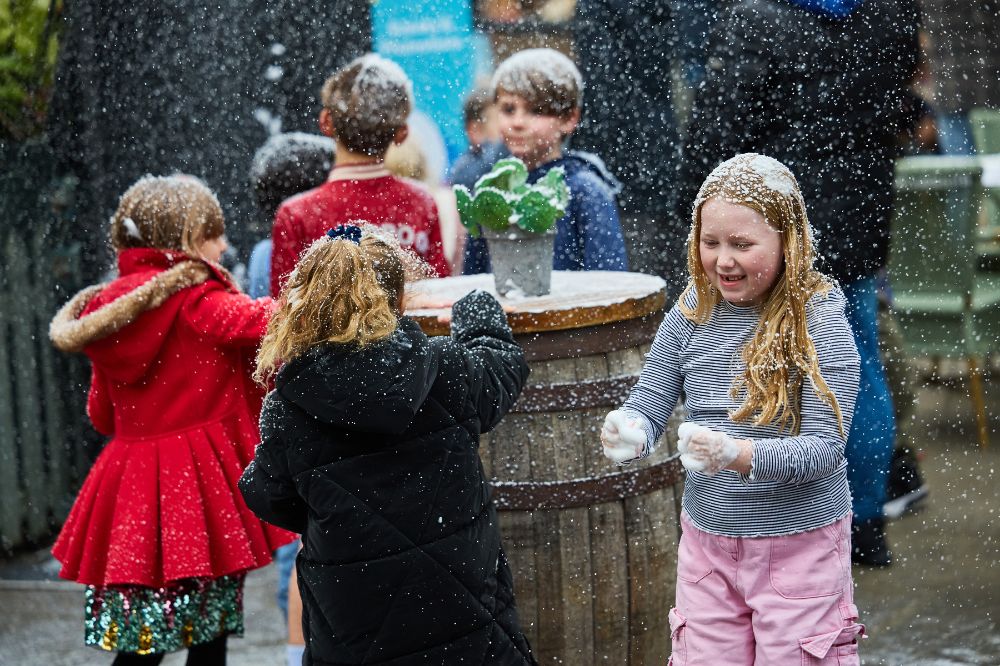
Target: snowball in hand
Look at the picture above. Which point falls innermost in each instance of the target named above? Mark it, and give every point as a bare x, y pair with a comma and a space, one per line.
705, 450
622, 436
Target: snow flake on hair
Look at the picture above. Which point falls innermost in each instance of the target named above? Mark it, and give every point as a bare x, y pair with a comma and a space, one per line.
555, 66
414, 267
752, 171
290, 148
379, 74
750, 178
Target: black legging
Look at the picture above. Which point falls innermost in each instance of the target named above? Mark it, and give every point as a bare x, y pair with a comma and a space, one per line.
212, 653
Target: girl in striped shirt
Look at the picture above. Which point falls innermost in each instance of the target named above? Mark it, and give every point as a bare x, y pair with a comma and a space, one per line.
760, 348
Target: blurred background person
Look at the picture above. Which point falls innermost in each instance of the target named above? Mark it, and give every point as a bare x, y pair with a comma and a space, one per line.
409, 160
625, 51
482, 130
284, 166
964, 58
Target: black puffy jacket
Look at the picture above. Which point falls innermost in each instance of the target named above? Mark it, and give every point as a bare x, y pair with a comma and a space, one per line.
373, 456
820, 94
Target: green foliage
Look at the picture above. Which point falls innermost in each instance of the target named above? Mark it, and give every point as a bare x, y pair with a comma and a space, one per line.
507, 174
502, 198
535, 212
28, 49
491, 208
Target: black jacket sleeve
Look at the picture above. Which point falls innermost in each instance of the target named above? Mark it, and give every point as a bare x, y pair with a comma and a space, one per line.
267, 484
495, 364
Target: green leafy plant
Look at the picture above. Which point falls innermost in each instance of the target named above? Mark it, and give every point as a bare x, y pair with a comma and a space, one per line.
503, 198
28, 46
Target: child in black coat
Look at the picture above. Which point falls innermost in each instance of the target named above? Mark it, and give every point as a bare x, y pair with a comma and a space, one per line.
370, 450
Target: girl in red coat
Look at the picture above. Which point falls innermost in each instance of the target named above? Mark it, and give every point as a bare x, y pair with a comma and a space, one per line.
159, 533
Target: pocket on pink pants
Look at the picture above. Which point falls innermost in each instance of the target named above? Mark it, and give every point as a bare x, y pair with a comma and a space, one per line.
838, 647
811, 564
678, 650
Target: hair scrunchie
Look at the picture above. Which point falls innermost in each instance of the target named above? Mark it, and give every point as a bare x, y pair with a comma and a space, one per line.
350, 232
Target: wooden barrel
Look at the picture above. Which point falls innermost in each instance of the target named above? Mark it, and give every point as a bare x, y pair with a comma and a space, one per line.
592, 546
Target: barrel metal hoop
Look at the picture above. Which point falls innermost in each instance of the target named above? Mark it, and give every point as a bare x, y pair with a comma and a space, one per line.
607, 392
575, 493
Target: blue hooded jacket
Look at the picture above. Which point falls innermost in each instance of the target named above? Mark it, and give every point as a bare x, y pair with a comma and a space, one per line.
589, 236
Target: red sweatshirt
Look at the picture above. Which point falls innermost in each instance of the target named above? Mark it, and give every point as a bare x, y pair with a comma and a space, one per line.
353, 193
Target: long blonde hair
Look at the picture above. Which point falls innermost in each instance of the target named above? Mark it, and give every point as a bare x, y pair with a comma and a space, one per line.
781, 352
340, 292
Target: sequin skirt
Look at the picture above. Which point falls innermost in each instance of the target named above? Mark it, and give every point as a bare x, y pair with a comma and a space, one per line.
146, 620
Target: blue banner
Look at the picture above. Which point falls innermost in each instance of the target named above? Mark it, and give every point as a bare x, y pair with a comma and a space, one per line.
432, 40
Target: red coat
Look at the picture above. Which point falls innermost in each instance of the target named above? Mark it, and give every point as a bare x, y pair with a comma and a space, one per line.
368, 193
171, 385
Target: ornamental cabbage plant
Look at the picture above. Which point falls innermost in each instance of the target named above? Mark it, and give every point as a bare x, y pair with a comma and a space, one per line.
502, 198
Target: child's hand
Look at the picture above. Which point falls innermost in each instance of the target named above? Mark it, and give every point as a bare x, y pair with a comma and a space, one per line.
705, 450
622, 436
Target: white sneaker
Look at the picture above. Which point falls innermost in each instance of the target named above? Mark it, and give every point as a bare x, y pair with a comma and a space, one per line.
897, 507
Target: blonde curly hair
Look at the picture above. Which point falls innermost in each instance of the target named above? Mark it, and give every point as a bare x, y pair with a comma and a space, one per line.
340, 292
781, 353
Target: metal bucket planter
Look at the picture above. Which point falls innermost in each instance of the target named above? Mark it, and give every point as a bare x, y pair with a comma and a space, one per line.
522, 260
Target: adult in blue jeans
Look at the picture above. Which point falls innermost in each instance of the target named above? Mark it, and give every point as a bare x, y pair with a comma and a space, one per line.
873, 430
828, 105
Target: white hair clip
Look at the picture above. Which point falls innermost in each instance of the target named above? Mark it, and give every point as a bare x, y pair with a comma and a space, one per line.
131, 229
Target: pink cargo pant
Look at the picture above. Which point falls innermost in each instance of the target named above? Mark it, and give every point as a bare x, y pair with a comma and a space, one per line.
769, 601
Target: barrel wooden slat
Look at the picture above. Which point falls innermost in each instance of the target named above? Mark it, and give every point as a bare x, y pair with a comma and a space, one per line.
518, 541
484, 455
621, 362
508, 459
611, 585
538, 432
606, 527
548, 637
574, 524
593, 576
652, 547
590, 417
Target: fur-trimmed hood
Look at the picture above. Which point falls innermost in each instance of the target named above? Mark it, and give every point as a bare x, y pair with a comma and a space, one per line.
122, 322
71, 332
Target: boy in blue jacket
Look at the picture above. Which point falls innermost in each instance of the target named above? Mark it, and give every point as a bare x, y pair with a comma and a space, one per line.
538, 94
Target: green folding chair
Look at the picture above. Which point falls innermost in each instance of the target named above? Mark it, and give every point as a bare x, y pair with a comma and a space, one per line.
945, 307
986, 137
985, 130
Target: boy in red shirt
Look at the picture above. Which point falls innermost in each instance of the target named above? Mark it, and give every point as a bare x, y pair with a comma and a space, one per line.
365, 106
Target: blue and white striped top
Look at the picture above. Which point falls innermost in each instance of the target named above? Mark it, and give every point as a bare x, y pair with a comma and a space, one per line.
796, 483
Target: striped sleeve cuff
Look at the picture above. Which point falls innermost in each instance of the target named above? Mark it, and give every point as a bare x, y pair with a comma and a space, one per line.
765, 462
647, 427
